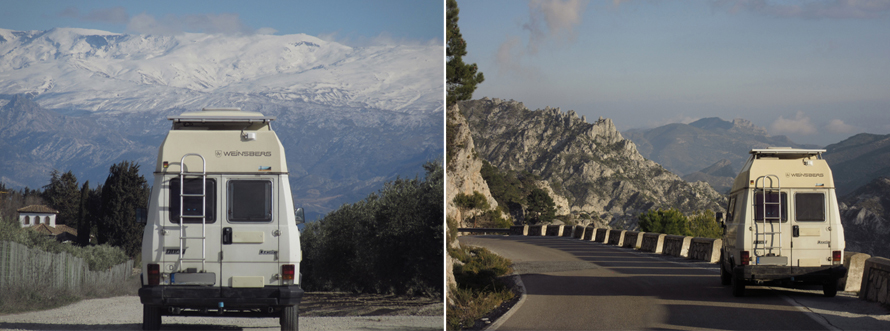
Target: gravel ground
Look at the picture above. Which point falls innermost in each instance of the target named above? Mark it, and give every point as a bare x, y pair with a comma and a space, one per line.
351, 313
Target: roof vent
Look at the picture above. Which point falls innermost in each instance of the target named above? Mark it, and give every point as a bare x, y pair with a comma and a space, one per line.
220, 109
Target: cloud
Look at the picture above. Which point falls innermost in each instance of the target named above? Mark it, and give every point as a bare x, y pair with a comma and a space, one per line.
834, 9
383, 39
552, 20
548, 22
800, 124
838, 126
114, 15
143, 23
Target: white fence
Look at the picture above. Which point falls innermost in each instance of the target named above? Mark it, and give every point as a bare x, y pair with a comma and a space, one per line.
23, 266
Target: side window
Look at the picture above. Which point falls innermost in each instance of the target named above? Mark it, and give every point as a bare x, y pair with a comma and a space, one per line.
809, 207
192, 204
45, 220
771, 207
249, 201
730, 210
27, 220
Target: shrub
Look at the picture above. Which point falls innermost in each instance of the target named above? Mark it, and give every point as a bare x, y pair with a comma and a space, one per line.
390, 242
479, 289
670, 221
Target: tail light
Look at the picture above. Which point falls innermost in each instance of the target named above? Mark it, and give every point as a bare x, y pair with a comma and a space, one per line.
154, 274
746, 258
836, 257
287, 272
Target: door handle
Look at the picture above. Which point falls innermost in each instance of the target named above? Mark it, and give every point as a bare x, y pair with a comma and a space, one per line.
227, 236
795, 231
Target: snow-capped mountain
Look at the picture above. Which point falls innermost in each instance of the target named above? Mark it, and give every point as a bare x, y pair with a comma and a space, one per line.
350, 118
101, 71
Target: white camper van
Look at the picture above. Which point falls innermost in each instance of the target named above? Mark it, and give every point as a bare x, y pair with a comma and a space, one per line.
782, 222
221, 233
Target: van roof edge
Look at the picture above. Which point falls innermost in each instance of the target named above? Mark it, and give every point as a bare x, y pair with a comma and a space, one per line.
787, 151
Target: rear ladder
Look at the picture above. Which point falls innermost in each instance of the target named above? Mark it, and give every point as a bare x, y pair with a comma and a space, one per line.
769, 225
183, 174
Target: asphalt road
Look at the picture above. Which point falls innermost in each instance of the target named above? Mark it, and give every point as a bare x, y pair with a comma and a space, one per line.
581, 285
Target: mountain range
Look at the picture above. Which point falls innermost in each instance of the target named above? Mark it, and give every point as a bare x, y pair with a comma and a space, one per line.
350, 118
590, 167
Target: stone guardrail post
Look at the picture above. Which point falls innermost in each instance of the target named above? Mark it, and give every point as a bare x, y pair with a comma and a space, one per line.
555, 230
519, 230
616, 237
633, 239
855, 263
568, 231
579, 232
536, 230
589, 233
705, 249
653, 242
875, 280
676, 245
602, 236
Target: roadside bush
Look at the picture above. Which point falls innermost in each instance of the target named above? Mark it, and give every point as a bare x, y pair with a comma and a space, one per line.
479, 289
670, 221
390, 242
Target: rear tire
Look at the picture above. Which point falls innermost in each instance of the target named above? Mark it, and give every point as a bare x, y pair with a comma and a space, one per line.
151, 317
290, 318
829, 289
738, 286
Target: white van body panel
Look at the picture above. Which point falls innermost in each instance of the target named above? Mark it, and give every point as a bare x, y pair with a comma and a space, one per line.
247, 231
783, 216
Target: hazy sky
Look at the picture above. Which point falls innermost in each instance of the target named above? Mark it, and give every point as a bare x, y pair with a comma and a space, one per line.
816, 71
355, 23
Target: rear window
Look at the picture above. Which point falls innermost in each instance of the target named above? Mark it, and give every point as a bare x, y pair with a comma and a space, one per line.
250, 201
770, 206
809, 207
191, 205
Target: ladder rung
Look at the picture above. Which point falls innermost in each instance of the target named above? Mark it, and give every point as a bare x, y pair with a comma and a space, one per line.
193, 195
192, 237
191, 216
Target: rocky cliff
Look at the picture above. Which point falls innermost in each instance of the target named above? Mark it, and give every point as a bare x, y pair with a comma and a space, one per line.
864, 214
600, 173
462, 176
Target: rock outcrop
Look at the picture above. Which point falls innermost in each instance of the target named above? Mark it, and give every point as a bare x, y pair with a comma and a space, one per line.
864, 214
591, 165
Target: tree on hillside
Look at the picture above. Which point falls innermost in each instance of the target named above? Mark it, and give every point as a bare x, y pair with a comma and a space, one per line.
124, 190
670, 221
63, 194
467, 202
541, 208
461, 78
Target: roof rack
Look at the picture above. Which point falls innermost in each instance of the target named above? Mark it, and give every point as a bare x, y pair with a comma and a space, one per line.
787, 150
221, 115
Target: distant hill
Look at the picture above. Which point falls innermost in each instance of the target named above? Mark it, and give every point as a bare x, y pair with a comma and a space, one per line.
719, 175
858, 160
688, 149
865, 214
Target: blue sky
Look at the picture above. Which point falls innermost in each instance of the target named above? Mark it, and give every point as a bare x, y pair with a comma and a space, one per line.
355, 23
816, 71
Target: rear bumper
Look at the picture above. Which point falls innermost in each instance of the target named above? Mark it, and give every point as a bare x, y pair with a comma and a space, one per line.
213, 297
803, 274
